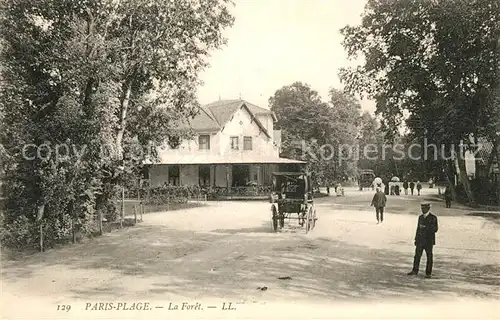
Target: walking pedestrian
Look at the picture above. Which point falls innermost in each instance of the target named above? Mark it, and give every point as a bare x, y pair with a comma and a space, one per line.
412, 187
447, 196
379, 201
405, 186
339, 190
419, 187
425, 239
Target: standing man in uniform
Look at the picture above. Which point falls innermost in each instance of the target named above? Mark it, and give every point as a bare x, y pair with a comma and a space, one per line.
412, 187
379, 200
425, 239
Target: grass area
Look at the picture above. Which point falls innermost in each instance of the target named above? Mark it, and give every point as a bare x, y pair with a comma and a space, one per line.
131, 207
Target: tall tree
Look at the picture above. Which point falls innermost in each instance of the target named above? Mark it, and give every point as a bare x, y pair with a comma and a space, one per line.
314, 130
344, 121
436, 60
99, 75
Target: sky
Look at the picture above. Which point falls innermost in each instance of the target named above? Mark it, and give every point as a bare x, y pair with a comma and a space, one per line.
274, 43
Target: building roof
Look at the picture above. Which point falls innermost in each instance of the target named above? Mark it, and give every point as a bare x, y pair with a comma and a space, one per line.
241, 158
215, 115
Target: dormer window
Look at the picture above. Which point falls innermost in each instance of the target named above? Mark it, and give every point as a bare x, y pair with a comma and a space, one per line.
204, 142
234, 143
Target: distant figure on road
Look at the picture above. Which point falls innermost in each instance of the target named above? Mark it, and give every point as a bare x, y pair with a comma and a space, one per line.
339, 190
425, 239
405, 186
379, 201
328, 189
447, 196
419, 187
377, 182
412, 187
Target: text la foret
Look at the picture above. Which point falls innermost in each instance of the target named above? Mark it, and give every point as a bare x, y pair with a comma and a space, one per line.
185, 306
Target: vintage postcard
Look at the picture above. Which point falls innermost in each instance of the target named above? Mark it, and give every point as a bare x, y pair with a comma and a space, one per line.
250, 159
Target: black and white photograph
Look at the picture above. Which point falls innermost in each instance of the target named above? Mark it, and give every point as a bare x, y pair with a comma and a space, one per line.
249, 159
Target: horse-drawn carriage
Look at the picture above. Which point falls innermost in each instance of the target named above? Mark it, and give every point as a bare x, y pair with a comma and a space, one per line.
292, 198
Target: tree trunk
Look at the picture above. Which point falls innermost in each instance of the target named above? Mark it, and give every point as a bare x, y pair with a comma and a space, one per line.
492, 157
465, 180
100, 222
127, 89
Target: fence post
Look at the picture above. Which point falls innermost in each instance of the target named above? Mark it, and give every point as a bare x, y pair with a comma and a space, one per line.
41, 237
142, 210
135, 213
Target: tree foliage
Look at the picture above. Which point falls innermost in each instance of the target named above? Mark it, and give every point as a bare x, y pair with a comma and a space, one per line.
112, 79
314, 130
436, 61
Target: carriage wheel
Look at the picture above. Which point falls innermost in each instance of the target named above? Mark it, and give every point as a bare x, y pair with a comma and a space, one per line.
313, 219
274, 218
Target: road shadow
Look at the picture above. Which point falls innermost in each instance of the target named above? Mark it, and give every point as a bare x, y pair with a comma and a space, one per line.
198, 264
488, 215
264, 228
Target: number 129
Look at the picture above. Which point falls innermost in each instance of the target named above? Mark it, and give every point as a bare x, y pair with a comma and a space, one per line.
63, 307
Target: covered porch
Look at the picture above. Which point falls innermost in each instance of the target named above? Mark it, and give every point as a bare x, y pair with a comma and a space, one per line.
223, 177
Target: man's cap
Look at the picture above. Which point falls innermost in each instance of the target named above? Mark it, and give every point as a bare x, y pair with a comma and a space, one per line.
425, 204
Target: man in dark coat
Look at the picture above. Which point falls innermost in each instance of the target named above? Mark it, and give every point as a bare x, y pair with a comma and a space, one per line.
425, 239
447, 196
379, 200
412, 187
405, 186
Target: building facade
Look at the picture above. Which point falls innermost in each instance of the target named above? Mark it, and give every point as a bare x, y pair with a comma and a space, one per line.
235, 146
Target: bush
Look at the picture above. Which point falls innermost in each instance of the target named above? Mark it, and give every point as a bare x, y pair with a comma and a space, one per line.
173, 194
110, 212
21, 233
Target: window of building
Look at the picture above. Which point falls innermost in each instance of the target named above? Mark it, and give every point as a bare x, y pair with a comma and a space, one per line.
247, 143
204, 142
234, 143
173, 175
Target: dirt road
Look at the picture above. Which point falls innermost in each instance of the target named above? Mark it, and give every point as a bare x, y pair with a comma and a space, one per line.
224, 252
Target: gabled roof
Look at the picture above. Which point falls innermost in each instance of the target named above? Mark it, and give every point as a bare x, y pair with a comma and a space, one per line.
214, 116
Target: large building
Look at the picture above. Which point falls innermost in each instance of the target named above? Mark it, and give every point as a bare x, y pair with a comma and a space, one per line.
235, 146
